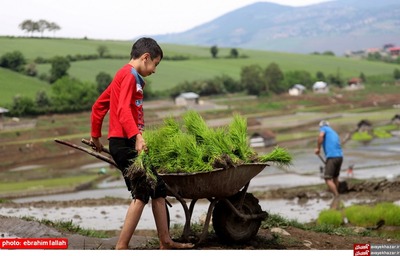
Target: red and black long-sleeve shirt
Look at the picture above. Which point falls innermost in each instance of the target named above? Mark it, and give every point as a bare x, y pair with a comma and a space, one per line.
124, 99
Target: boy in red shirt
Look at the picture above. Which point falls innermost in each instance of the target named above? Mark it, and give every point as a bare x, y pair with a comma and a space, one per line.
123, 98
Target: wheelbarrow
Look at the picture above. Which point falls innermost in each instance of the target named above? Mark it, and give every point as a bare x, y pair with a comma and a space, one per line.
236, 214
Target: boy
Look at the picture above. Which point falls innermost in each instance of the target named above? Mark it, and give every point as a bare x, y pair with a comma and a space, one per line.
124, 98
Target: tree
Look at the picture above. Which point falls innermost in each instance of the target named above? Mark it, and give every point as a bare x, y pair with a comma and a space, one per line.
59, 68
53, 27
102, 50
42, 101
396, 73
230, 84
362, 77
234, 53
251, 79
273, 77
298, 77
320, 76
23, 105
71, 95
13, 60
328, 53
42, 25
28, 26
214, 51
103, 80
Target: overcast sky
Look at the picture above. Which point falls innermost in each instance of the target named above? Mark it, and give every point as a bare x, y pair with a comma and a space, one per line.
120, 19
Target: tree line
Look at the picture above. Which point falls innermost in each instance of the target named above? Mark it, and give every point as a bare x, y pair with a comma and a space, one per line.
68, 94
30, 26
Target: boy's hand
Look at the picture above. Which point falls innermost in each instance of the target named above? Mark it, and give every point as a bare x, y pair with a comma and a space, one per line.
140, 143
96, 144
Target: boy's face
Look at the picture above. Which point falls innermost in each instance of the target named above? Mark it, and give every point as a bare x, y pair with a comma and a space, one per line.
149, 65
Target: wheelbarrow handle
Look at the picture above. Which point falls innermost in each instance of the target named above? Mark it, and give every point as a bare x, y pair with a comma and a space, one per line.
322, 159
89, 143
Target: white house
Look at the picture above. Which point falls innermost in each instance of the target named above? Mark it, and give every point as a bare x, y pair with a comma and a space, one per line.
320, 87
187, 99
297, 90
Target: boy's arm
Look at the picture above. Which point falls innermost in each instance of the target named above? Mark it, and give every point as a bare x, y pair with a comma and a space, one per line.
140, 143
99, 110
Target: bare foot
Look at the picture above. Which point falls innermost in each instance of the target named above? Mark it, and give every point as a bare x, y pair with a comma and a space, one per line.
175, 245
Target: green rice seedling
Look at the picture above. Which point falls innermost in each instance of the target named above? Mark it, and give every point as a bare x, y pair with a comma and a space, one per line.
389, 212
361, 215
330, 217
278, 155
239, 138
196, 125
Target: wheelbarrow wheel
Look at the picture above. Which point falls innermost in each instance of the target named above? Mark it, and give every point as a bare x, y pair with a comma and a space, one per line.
231, 228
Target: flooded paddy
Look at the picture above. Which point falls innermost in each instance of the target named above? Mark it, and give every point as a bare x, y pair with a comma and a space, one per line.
378, 160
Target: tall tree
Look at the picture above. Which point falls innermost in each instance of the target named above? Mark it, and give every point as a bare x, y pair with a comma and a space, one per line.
234, 53
59, 68
28, 26
103, 80
42, 26
251, 79
53, 27
273, 77
214, 51
102, 50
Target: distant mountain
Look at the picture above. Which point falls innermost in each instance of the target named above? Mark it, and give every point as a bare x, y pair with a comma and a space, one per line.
337, 26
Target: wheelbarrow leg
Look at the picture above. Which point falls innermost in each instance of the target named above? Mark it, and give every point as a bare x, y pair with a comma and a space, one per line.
207, 221
188, 212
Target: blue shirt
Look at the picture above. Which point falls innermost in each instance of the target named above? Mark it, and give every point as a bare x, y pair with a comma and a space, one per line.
331, 142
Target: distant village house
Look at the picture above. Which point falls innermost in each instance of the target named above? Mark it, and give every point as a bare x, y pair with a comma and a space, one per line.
354, 83
320, 87
297, 90
187, 99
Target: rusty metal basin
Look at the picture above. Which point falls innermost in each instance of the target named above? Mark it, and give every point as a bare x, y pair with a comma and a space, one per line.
219, 183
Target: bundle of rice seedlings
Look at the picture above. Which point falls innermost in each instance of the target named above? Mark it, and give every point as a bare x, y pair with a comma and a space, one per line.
191, 146
140, 167
196, 125
223, 156
278, 155
238, 136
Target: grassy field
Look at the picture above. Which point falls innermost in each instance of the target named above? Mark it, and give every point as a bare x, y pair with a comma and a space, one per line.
169, 73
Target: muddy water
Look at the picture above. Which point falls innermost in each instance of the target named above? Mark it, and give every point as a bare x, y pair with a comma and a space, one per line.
379, 159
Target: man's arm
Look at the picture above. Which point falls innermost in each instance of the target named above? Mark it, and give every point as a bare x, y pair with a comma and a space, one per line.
320, 140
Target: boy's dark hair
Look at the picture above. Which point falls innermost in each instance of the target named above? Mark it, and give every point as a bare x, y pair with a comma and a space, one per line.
146, 44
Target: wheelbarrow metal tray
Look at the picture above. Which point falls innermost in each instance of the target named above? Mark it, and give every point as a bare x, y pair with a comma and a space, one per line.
219, 183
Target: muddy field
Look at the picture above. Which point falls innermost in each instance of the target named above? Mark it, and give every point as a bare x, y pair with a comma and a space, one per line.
289, 238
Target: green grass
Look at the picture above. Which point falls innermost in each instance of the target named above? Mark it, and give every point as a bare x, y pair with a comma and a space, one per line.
12, 84
42, 184
69, 226
169, 73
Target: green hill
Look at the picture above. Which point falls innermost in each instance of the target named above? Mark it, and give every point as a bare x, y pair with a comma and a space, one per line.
200, 65
12, 84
